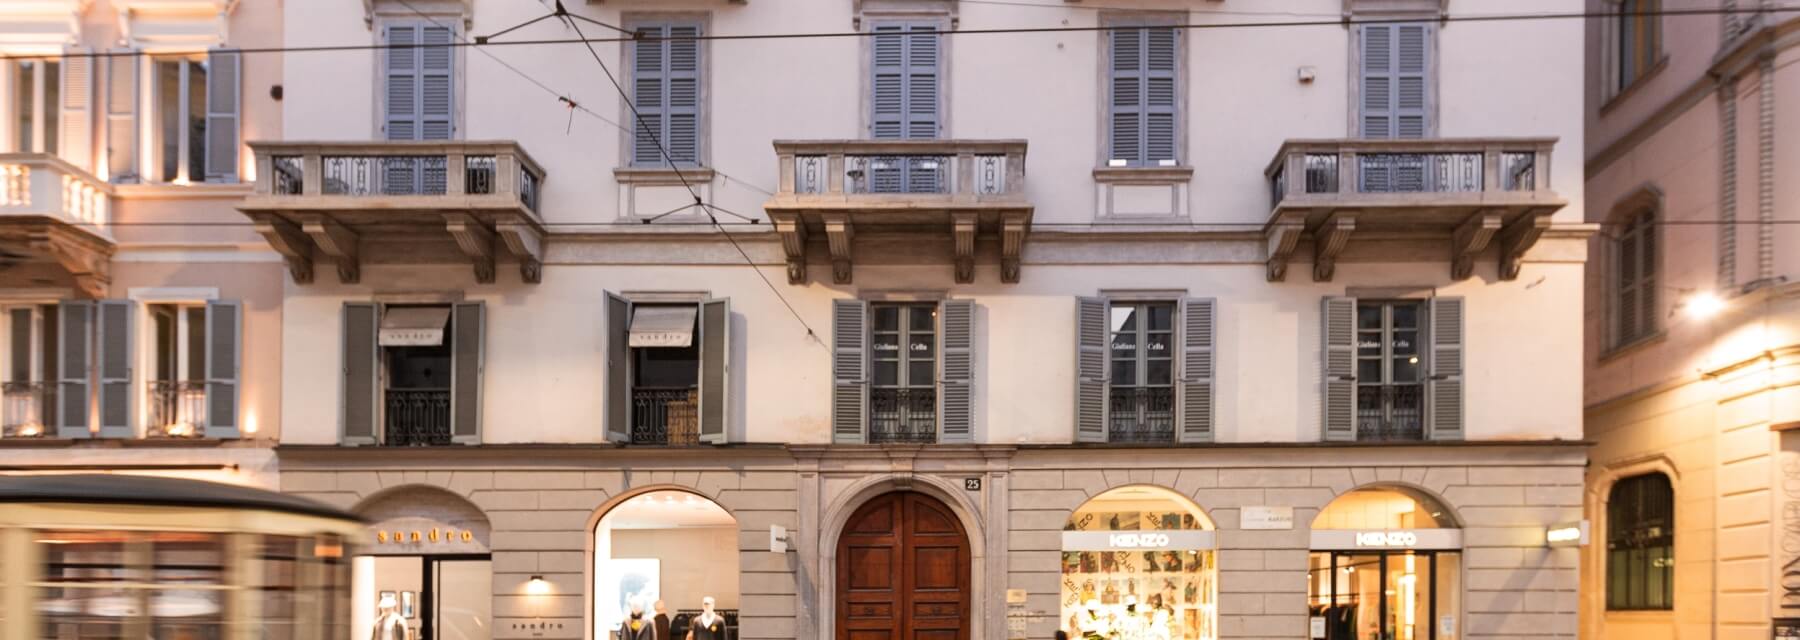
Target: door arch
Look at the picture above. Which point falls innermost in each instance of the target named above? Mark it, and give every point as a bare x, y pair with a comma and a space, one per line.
903, 571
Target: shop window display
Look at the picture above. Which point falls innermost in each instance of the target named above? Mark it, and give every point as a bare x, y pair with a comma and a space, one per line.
666, 567
1138, 564
1385, 565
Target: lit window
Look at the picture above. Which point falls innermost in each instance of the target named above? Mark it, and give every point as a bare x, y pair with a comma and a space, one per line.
1640, 544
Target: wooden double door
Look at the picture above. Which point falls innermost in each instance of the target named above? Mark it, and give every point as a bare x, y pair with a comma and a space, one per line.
903, 571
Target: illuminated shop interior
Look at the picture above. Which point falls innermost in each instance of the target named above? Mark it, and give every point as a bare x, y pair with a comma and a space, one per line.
673, 546
1392, 579
1163, 585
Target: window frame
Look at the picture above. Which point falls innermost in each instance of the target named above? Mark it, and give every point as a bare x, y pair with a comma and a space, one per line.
1354, 75
1111, 21
381, 21
1613, 44
1140, 357
1641, 488
939, 21
631, 22
1640, 235
44, 121
904, 333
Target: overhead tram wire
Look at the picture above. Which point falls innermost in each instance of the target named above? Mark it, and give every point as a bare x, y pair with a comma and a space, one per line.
1520, 17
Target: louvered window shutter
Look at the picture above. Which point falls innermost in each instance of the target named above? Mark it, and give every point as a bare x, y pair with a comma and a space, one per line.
401, 117
666, 87
715, 370
121, 116
75, 344
437, 95
849, 370
1199, 328
224, 77
76, 139
956, 392
1159, 95
1091, 355
1444, 386
1396, 80
887, 120
1338, 375
682, 112
617, 412
115, 339
905, 72
1144, 99
648, 93
362, 373
224, 357
467, 326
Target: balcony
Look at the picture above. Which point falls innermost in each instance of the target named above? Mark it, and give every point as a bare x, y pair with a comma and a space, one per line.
951, 191
1141, 415
25, 408
903, 416
1390, 413
177, 409
416, 417
1468, 192
438, 202
54, 225
665, 416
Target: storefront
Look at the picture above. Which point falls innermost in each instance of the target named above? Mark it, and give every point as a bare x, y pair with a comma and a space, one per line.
668, 552
429, 567
1139, 562
1386, 564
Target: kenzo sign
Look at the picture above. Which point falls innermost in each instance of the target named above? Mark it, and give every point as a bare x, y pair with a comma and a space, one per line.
1138, 540
1387, 539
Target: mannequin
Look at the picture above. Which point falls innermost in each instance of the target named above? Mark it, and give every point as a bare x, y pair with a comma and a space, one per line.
1093, 626
389, 625
661, 620
709, 625
637, 626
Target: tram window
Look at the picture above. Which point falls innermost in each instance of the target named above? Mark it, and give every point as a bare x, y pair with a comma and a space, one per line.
280, 557
84, 556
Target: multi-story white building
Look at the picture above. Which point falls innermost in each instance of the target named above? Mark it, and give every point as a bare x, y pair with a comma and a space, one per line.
974, 319
1691, 323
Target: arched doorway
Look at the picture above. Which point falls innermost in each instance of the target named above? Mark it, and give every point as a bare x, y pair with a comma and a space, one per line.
1138, 562
668, 546
1386, 562
903, 571
429, 561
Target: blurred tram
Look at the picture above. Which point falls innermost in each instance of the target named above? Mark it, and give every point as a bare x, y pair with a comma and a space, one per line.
114, 556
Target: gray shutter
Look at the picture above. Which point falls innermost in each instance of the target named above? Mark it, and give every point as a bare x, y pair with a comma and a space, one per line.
1160, 62
715, 370
1377, 88
437, 95
681, 115
1199, 328
361, 373
224, 77
75, 141
467, 320
887, 81
849, 370
224, 357
1396, 77
114, 363
401, 73
649, 92
75, 345
1143, 103
1091, 366
121, 116
666, 92
956, 392
617, 412
1125, 104
1444, 387
1338, 374
904, 78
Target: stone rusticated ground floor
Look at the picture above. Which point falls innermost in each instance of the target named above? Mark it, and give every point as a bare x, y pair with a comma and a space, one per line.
533, 510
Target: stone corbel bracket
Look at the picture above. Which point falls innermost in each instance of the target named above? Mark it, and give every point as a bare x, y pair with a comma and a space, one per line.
1517, 238
838, 234
793, 243
1282, 236
476, 242
527, 243
963, 229
1470, 239
337, 241
288, 240
88, 262
1012, 245
1329, 240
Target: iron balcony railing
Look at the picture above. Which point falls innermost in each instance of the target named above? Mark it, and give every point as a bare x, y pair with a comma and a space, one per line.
26, 408
369, 169
667, 416
39, 184
903, 415
981, 170
417, 417
177, 409
1433, 166
1390, 412
1141, 415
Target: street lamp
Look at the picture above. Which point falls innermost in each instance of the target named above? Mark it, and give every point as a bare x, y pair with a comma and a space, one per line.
1702, 305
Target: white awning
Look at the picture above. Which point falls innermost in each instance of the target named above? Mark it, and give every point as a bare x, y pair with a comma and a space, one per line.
413, 326
662, 326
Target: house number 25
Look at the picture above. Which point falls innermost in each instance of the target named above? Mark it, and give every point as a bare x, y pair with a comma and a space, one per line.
972, 484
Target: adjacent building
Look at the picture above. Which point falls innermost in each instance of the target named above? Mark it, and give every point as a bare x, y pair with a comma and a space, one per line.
978, 320
1691, 322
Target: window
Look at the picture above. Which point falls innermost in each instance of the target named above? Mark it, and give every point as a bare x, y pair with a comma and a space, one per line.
412, 373
902, 371
195, 117
1634, 285
36, 105
1142, 396
667, 369
1637, 34
1144, 370
192, 390
1397, 81
905, 78
1640, 544
665, 92
1393, 369
418, 76
1142, 96
1390, 387
29, 396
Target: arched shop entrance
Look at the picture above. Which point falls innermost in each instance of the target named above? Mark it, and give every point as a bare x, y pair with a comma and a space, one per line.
1137, 563
903, 569
429, 561
1386, 564
666, 545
